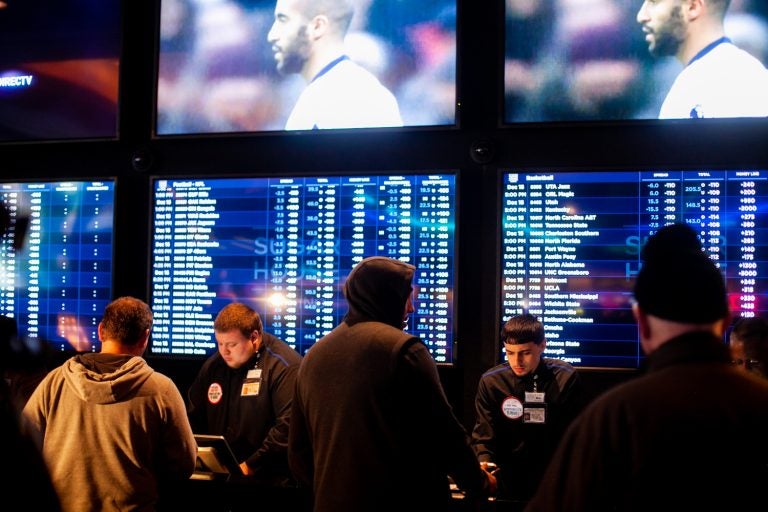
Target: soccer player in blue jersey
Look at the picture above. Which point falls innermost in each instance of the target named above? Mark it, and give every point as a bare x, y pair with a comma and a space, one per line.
307, 38
719, 79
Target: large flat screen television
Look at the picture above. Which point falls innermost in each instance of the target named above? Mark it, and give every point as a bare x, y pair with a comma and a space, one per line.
285, 245
273, 65
59, 69
598, 60
571, 241
56, 261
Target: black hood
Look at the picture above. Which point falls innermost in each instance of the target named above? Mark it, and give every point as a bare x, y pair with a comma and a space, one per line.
377, 289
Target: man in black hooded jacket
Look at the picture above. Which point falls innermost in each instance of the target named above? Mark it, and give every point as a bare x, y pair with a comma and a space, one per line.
371, 427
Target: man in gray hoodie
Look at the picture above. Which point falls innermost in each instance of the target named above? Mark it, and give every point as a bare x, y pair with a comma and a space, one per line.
112, 430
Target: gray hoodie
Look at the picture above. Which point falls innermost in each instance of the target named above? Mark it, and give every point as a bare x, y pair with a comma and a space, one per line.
112, 430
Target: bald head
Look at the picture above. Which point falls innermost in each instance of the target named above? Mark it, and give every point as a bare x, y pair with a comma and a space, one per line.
338, 12
719, 6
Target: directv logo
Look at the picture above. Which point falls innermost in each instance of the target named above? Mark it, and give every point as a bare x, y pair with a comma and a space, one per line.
16, 81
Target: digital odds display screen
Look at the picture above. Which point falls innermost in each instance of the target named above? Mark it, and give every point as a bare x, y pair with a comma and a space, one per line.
285, 245
571, 242
56, 261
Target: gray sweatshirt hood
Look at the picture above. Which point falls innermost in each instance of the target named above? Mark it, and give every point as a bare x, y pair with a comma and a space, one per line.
105, 378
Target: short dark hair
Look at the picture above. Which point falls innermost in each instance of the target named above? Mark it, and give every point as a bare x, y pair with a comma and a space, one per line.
126, 320
340, 12
238, 316
524, 328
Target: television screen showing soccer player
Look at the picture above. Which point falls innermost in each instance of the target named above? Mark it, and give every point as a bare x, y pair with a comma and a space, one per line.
595, 60
272, 65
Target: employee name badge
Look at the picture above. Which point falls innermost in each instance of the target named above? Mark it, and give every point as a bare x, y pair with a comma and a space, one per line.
512, 408
252, 383
534, 408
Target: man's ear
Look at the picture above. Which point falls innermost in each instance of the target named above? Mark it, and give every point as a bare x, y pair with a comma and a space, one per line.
145, 339
723, 324
644, 328
694, 9
643, 325
318, 26
257, 338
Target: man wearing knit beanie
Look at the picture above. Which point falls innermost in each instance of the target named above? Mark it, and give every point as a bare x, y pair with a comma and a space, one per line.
659, 441
678, 288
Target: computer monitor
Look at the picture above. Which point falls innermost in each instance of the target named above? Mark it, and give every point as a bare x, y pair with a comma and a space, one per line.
56, 265
284, 245
571, 242
215, 459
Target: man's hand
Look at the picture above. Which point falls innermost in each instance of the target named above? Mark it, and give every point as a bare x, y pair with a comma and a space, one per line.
490, 469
